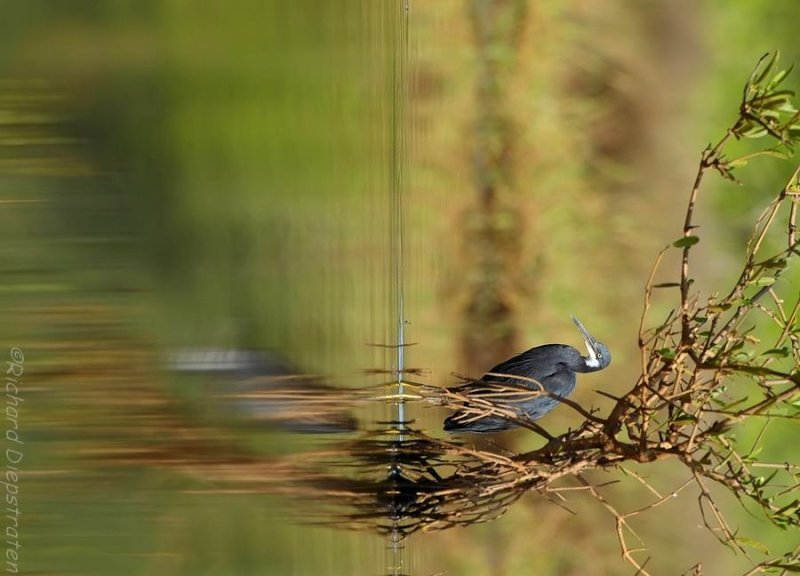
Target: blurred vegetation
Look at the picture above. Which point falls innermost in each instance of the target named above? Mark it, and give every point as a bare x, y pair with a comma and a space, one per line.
174, 175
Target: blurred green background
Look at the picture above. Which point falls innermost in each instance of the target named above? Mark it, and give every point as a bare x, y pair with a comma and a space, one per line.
178, 175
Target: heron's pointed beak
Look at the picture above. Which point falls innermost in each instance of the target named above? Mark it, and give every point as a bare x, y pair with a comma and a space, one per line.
590, 340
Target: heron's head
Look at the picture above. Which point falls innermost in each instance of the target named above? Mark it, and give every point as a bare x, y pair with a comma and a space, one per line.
599, 356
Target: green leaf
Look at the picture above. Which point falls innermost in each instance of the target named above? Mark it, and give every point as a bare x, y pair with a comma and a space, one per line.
777, 352
765, 281
684, 419
775, 154
686, 241
755, 132
754, 544
778, 263
758, 76
667, 353
738, 163
774, 100
779, 77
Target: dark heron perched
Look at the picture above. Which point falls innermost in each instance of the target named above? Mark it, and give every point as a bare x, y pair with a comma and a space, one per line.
552, 365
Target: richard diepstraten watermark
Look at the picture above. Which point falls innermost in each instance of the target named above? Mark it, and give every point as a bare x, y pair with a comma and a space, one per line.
14, 454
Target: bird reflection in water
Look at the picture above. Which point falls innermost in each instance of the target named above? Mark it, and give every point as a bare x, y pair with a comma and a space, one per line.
263, 388
398, 486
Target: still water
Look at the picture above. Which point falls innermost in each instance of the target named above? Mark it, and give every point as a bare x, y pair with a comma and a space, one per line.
202, 220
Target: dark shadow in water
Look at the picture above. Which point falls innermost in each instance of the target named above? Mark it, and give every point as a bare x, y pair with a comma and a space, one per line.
399, 486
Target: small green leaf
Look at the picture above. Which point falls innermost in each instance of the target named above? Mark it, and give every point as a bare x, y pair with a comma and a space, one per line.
738, 163
684, 419
779, 77
777, 352
738, 345
759, 74
754, 544
755, 132
666, 353
765, 281
775, 100
686, 241
775, 154
778, 263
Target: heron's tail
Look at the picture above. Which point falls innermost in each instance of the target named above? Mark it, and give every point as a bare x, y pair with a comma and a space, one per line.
457, 423
451, 424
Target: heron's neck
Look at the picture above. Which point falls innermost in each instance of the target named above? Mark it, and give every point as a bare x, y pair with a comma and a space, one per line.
590, 363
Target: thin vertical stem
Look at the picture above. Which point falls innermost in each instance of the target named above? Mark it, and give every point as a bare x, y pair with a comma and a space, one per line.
398, 176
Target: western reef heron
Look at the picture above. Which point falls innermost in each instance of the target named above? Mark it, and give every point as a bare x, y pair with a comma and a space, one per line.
552, 365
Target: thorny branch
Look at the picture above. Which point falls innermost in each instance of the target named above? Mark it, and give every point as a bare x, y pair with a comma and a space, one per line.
713, 365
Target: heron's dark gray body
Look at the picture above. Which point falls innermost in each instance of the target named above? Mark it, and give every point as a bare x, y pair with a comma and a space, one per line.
554, 366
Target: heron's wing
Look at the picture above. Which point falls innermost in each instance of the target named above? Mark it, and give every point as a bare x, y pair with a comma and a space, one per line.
539, 364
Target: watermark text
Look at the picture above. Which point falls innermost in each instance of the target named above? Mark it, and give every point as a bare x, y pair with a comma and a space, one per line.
14, 455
